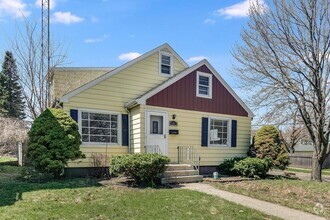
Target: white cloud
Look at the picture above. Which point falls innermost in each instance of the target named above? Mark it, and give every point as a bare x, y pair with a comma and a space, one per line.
209, 21
13, 8
51, 4
196, 59
129, 56
239, 10
96, 40
66, 18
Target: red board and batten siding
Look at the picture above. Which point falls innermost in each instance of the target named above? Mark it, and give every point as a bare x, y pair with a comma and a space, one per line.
182, 95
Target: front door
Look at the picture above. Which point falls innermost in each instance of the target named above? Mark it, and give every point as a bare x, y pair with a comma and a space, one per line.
156, 130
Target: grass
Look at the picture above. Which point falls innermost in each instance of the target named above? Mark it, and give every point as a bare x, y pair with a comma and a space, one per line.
7, 159
85, 199
306, 170
298, 194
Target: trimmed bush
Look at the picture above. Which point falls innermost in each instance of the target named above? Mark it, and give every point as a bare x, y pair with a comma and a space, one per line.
53, 141
226, 167
145, 169
267, 144
251, 167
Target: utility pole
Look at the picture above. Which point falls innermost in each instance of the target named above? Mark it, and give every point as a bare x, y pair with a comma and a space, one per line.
45, 44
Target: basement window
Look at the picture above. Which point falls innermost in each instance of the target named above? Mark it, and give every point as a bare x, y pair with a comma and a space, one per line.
165, 63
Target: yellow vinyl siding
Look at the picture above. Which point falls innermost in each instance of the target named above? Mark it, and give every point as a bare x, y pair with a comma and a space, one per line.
89, 150
135, 130
112, 94
66, 80
189, 126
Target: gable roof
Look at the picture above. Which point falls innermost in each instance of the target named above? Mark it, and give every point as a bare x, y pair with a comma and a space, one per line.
142, 99
107, 75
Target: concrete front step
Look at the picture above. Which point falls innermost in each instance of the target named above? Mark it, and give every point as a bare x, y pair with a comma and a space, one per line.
183, 179
175, 173
172, 167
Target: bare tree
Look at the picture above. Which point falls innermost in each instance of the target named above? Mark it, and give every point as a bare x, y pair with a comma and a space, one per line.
11, 131
285, 62
35, 82
292, 132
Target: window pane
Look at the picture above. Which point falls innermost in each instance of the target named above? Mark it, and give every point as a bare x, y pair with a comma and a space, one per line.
166, 60
114, 140
85, 138
113, 132
203, 90
100, 131
98, 116
85, 131
84, 115
156, 124
166, 69
114, 117
203, 80
99, 124
113, 124
84, 123
102, 139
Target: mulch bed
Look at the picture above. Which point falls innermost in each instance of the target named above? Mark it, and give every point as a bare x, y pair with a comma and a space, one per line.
227, 179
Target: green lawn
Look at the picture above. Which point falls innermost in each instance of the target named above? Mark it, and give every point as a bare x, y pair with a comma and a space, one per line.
85, 199
308, 196
7, 159
304, 170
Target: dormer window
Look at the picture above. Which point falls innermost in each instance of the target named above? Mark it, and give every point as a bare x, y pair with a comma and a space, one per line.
204, 85
165, 63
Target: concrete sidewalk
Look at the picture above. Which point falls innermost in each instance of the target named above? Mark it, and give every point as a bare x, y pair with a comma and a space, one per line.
265, 207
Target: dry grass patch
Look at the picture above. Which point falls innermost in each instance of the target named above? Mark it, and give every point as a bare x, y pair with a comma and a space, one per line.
308, 196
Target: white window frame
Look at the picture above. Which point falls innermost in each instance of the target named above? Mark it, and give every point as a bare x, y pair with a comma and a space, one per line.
160, 63
119, 127
228, 132
209, 96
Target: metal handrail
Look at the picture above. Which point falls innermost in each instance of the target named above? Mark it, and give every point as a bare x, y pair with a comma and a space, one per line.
187, 154
152, 149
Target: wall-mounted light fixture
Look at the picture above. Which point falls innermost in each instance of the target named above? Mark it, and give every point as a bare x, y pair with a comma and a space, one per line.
173, 116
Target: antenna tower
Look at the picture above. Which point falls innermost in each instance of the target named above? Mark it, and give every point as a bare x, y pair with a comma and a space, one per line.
45, 53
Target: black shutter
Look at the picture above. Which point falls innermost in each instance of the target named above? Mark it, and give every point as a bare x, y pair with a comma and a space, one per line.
124, 125
74, 114
233, 133
205, 128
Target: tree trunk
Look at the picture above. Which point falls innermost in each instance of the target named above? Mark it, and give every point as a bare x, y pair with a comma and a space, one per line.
316, 169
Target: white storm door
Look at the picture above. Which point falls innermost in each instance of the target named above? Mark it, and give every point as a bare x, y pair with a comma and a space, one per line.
156, 130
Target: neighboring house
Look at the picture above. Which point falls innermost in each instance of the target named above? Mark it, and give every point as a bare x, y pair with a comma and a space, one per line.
155, 102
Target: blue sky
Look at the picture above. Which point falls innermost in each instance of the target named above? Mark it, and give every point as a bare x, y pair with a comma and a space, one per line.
104, 33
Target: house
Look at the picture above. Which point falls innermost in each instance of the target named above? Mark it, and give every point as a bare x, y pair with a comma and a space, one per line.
155, 103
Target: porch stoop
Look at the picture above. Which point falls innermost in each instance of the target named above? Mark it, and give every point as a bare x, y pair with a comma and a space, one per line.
181, 173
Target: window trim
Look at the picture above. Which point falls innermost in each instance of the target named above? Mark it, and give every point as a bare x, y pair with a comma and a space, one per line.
229, 120
160, 63
209, 75
119, 127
